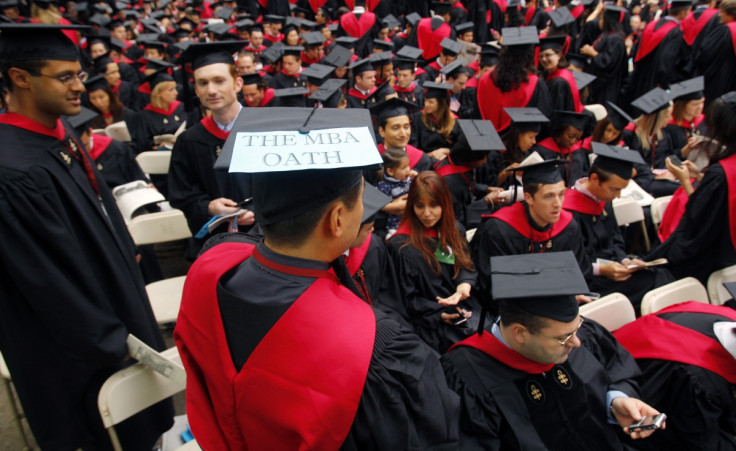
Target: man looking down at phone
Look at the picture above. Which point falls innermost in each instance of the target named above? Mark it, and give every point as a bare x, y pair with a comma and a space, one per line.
543, 377
281, 349
590, 202
693, 383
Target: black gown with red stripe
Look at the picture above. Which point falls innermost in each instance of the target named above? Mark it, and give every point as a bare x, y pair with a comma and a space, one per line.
716, 61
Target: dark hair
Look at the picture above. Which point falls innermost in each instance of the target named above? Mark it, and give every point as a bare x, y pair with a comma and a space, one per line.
561, 64
34, 66
602, 174
510, 313
295, 230
675, 10
392, 157
515, 63
432, 185
514, 18
116, 107
510, 138
610, 26
721, 122
443, 122
532, 188
600, 130
462, 154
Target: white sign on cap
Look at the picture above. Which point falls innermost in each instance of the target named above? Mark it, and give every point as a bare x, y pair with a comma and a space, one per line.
291, 150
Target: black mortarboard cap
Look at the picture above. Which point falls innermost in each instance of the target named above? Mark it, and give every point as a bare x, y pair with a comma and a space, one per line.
95, 83
614, 12
244, 24
577, 60
480, 135
251, 79
151, 25
409, 52
391, 21
327, 89
158, 15
99, 64
691, 89
540, 284
441, 8
526, 119
577, 120
464, 27
156, 64
333, 27
273, 18
338, 57
224, 13
453, 69
99, 19
202, 54
159, 76
361, 66
616, 159
618, 117
373, 201
404, 64
520, 36
295, 51
413, 19
288, 27
131, 14
544, 172
291, 97
280, 191
273, 53
434, 90
451, 47
33, 42
381, 59
220, 30
346, 41
653, 101
9, 3
488, 55
385, 46
179, 33
255, 26
317, 73
81, 121
313, 38
152, 44
306, 25
561, 16
393, 107
582, 79
680, 2
115, 23
552, 42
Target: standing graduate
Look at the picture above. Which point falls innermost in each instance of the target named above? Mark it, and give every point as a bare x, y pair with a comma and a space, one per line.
563, 89
276, 338
291, 67
543, 377
194, 187
590, 202
434, 128
608, 59
360, 95
716, 57
70, 288
362, 25
693, 384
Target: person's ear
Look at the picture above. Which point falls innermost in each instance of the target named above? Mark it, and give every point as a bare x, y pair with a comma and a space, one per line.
520, 333
20, 78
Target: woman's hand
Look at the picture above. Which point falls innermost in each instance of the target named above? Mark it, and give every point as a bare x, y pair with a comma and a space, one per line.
452, 318
495, 196
461, 293
440, 154
588, 50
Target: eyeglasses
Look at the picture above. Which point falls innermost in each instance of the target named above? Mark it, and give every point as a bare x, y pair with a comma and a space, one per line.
66, 79
564, 342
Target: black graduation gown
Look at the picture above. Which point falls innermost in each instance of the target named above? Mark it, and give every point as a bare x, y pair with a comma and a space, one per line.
702, 242
129, 95
560, 94
715, 60
507, 408
468, 200
405, 402
128, 116
415, 95
193, 182
610, 68
577, 167
150, 123
603, 239
117, 164
674, 138
71, 293
468, 99
283, 81
422, 285
427, 139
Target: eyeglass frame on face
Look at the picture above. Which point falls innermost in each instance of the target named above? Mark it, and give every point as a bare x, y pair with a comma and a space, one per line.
568, 338
66, 79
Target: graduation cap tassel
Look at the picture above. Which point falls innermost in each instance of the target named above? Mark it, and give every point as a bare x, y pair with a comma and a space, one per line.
484, 309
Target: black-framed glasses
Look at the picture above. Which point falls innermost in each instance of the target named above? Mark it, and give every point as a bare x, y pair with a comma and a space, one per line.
66, 79
568, 338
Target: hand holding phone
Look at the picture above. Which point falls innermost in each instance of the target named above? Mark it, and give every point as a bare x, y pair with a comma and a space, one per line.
648, 423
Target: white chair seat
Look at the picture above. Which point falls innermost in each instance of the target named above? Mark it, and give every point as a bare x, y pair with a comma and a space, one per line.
154, 161
165, 296
159, 227
683, 290
627, 211
717, 292
611, 312
658, 208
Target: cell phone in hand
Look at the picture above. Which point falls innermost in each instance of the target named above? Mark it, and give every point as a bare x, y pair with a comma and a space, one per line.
464, 315
676, 161
648, 423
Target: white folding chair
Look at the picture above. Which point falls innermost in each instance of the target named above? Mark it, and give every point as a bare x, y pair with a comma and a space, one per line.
717, 292
628, 211
469, 234
154, 161
161, 227
133, 389
611, 311
14, 404
598, 110
683, 290
657, 209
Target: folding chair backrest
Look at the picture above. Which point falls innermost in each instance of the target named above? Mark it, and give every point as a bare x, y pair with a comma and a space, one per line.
658, 207
159, 227
611, 312
717, 292
683, 290
627, 211
154, 161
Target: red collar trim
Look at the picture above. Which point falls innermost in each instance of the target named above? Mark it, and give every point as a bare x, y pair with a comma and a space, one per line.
551, 144
515, 216
356, 256
412, 152
579, 202
100, 145
492, 346
116, 88
690, 125
293, 270
355, 93
170, 111
448, 168
405, 229
283, 71
209, 124
20, 121
566, 75
652, 37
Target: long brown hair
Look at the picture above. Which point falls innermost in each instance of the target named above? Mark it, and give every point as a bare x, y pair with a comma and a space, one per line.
443, 121
431, 185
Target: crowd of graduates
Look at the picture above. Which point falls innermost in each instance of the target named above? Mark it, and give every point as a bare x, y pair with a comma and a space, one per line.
504, 127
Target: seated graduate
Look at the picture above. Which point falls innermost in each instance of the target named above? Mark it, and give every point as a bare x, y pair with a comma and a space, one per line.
194, 187
433, 128
448, 54
360, 95
563, 88
370, 264
692, 384
705, 238
471, 199
291, 67
106, 104
434, 265
543, 377
683, 132
590, 202
406, 86
126, 91
563, 143
256, 92
518, 138
394, 126
463, 100
263, 328
538, 224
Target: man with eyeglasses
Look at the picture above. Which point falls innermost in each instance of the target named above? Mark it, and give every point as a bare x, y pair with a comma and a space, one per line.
70, 288
543, 377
